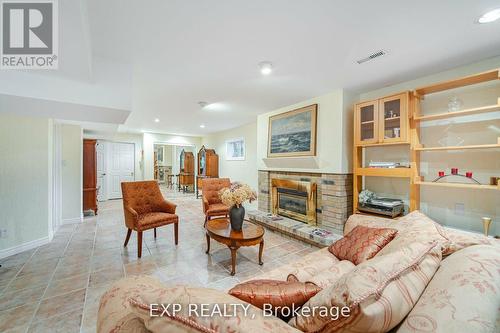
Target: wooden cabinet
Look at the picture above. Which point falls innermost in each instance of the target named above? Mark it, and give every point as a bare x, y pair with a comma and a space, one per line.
89, 175
186, 175
208, 166
384, 120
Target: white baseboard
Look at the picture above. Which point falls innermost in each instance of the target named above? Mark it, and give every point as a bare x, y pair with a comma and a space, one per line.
24, 247
72, 221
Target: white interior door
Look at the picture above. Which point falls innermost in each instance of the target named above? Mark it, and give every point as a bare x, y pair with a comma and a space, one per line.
101, 171
120, 167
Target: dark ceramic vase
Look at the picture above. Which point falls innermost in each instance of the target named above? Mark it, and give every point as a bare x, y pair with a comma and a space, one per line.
236, 216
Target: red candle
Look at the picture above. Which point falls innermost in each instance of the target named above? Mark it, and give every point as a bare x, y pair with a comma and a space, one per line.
441, 173
454, 171
468, 174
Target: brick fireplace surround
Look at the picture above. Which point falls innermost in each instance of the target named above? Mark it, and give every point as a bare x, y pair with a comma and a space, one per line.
333, 204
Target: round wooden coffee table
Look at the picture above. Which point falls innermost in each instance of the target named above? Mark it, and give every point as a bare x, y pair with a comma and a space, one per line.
220, 230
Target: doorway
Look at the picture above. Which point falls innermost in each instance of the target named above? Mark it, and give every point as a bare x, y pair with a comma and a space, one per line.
115, 164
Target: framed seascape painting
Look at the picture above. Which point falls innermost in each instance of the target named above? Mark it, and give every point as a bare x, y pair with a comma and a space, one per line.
293, 133
235, 149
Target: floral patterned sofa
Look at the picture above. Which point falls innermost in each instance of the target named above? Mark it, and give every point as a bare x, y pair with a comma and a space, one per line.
463, 295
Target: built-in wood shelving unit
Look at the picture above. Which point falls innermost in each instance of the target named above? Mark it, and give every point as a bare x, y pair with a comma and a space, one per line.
415, 122
411, 112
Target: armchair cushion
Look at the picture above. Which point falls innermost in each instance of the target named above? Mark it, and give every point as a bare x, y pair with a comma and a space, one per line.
149, 220
217, 209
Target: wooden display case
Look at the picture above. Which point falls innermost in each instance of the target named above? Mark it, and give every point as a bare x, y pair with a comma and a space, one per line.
383, 120
208, 166
186, 175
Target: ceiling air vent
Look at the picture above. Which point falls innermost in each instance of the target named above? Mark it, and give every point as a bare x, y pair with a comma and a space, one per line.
372, 56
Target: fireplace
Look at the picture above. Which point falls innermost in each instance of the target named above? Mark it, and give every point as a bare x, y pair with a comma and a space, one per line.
294, 199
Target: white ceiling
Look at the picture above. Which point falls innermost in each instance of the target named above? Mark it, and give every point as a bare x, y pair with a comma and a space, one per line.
159, 58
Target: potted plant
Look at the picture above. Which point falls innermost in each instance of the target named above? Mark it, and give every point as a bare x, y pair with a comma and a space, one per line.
234, 197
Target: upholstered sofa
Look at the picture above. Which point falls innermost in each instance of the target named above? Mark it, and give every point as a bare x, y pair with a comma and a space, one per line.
461, 294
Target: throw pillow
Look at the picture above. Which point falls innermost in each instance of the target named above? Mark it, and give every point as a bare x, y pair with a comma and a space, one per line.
277, 293
379, 293
362, 243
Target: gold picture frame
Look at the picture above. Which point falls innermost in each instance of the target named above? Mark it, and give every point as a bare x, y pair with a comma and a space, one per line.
293, 133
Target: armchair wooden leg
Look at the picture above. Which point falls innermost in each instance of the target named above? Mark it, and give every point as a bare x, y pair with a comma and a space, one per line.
176, 232
139, 244
155, 232
129, 232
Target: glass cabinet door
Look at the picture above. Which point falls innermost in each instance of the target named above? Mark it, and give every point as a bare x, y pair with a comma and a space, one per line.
367, 122
393, 118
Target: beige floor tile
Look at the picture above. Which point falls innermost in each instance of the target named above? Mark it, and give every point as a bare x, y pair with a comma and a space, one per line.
31, 280
105, 277
18, 318
62, 323
63, 272
39, 266
57, 305
14, 299
64, 286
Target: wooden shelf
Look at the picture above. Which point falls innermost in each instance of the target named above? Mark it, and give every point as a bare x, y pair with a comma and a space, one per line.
393, 118
495, 145
383, 144
460, 185
461, 82
385, 172
367, 122
466, 112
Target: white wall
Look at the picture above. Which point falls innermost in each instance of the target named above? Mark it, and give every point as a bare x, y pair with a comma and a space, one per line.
25, 181
149, 140
439, 203
71, 173
333, 151
243, 171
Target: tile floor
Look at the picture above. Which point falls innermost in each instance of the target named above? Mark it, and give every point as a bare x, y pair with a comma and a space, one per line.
57, 287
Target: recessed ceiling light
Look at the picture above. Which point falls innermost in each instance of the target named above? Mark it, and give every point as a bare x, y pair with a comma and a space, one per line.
202, 126
157, 120
490, 16
266, 67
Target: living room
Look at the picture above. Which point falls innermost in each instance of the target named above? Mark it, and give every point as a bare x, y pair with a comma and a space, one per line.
314, 167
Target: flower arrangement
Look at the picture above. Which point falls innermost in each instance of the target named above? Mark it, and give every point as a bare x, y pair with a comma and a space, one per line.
237, 194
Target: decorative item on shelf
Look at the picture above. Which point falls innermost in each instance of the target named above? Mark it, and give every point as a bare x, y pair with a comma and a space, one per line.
455, 104
451, 140
494, 180
396, 132
234, 197
454, 173
365, 196
486, 225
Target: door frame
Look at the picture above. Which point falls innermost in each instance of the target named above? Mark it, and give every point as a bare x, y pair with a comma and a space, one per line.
166, 143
